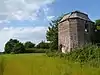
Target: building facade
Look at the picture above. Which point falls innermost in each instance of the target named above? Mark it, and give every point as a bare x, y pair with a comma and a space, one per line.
74, 30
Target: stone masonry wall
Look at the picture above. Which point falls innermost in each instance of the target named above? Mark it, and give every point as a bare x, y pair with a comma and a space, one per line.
81, 32
73, 32
63, 35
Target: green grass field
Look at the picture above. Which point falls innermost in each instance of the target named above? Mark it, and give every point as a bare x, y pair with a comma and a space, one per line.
40, 64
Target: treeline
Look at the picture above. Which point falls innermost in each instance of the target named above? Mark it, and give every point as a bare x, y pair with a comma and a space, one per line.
15, 46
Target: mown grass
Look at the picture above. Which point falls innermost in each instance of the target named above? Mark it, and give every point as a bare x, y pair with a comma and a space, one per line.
40, 64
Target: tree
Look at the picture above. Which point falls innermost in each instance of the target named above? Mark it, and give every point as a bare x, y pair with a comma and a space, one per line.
19, 48
43, 45
29, 44
52, 33
14, 46
97, 31
97, 22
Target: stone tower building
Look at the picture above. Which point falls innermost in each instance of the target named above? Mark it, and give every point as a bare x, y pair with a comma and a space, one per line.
74, 30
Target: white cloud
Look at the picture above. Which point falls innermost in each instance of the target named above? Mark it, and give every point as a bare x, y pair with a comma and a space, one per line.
49, 18
22, 9
46, 10
35, 34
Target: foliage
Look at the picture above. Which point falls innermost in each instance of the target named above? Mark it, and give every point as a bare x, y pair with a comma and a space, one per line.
50, 53
88, 54
14, 46
18, 48
52, 33
43, 45
97, 22
29, 44
56, 54
85, 53
97, 32
35, 50
10, 45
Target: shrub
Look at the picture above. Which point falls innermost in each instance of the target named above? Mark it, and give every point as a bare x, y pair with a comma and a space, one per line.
86, 54
35, 50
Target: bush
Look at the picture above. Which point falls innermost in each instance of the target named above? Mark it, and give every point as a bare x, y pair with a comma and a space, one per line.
35, 50
86, 54
43, 45
54, 53
51, 54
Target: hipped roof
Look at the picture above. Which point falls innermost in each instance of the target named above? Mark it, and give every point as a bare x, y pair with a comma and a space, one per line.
76, 14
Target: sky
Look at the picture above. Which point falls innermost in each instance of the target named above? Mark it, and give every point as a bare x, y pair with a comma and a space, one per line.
28, 20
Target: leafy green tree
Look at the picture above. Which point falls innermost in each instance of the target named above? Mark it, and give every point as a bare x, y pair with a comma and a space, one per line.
97, 31
29, 44
14, 46
43, 45
52, 34
97, 22
19, 48
9, 45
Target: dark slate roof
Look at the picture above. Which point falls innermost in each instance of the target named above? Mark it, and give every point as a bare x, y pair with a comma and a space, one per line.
76, 14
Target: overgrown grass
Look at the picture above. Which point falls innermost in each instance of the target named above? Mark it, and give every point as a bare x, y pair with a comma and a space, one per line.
88, 54
40, 64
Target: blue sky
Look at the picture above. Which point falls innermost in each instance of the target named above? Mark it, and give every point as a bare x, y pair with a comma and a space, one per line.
91, 7
27, 20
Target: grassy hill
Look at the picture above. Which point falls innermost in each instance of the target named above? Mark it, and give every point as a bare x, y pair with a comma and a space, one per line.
40, 64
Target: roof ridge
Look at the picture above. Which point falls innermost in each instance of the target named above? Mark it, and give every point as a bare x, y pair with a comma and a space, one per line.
74, 14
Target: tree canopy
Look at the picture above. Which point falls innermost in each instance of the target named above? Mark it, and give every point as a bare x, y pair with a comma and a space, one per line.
97, 31
14, 46
29, 44
43, 45
52, 33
